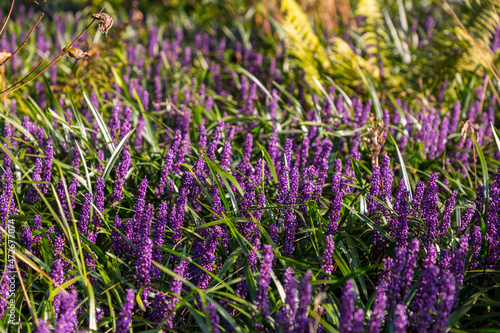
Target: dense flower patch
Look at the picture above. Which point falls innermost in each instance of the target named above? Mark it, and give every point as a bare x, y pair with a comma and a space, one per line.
206, 186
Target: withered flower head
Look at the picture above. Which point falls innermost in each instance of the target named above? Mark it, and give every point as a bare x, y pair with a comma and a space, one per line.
466, 127
4, 56
376, 138
76, 53
106, 22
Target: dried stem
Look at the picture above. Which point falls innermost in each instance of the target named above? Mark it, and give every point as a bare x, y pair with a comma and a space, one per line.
36, 2
8, 16
10, 90
23, 288
29, 74
25, 40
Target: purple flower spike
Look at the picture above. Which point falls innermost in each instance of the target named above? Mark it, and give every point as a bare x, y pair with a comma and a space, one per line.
83, 226
289, 226
99, 165
141, 124
125, 317
114, 119
116, 238
273, 233
4, 292
467, 217
67, 320
335, 204
447, 300
380, 302
287, 314
263, 281
428, 209
27, 243
305, 291
373, 205
27, 238
476, 239
401, 319
424, 304
247, 149
387, 177
37, 223
417, 197
158, 234
127, 121
75, 162
33, 195
446, 219
47, 168
214, 317
43, 326
143, 215
168, 165
175, 288
99, 200
202, 136
144, 246
143, 262
359, 318
347, 309
225, 158
212, 146
327, 258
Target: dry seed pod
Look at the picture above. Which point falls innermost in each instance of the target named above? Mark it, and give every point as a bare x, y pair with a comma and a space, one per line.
106, 22
136, 14
4, 56
77, 53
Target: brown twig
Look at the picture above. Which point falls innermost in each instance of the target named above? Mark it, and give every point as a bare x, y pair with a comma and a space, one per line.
23, 288
8, 16
172, 105
10, 90
36, 2
27, 76
25, 41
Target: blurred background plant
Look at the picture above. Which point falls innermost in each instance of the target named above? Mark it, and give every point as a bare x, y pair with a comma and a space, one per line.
419, 49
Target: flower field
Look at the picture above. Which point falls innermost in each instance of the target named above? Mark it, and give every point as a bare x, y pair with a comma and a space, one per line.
250, 166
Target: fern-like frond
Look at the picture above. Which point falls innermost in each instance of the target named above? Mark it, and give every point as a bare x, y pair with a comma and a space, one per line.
303, 44
345, 61
482, 19
372, 31
478, 52
476, 30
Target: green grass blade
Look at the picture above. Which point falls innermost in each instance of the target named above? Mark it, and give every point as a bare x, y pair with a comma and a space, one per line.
115, 156
404, 173
102, 125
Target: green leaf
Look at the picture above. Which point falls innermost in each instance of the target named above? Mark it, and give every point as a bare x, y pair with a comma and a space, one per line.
327, 95
149, 135
372, 224
496, 135
82, 157
254, 79
404, 173
484, 168
102, 124
115, 155
269, 161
